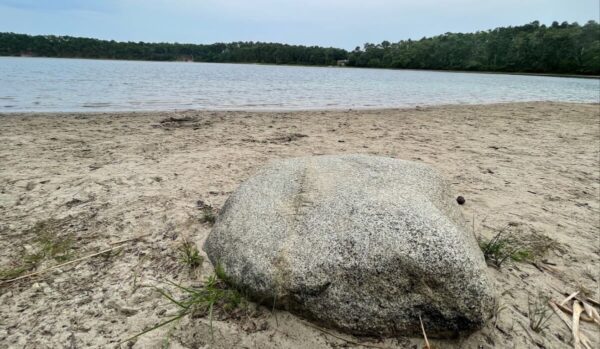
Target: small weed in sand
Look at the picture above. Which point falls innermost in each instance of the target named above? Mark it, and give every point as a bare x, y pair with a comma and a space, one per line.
45, 246
189, 255
207, 212
503, 247
539, 313
207, 215
58, 248
13, 272
213, 297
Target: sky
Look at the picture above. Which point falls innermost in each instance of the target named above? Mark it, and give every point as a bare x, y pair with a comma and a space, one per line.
337, 23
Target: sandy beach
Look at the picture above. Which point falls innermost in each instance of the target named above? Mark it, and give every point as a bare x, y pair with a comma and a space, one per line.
82, 182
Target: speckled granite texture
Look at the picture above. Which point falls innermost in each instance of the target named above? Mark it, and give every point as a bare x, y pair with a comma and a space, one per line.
359, 243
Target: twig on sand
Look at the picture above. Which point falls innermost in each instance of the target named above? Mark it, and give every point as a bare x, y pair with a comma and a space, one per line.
571, 296
424, 334
593, 301
590, 315
588, 310
584, 340
349, 341
120, 243
595, 314
568, 310
130, 239
537, 266
576, 314
551, 270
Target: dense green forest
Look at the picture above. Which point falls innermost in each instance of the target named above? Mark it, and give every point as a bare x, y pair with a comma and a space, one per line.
533, 48
565, 48
237, 52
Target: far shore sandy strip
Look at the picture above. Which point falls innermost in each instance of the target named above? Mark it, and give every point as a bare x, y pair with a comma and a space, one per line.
96, 178
557, 75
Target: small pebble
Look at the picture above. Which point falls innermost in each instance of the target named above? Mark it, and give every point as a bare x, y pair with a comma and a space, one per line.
460, 200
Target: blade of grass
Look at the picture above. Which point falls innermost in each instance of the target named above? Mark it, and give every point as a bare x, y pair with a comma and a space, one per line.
154, 327
169, 297
185, 289
210, 322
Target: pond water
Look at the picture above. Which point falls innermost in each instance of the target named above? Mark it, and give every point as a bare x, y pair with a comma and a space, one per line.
49, 84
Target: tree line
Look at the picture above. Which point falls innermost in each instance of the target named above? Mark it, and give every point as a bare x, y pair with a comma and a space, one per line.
12, 44
565, 48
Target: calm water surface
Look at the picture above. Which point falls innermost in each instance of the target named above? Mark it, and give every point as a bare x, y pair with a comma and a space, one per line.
47, 84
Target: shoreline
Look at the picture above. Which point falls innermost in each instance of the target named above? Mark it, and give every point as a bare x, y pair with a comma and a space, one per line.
79, 182
292, 110
557, 75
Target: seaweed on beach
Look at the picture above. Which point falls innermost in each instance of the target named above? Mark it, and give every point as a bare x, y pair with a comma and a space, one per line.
174, 122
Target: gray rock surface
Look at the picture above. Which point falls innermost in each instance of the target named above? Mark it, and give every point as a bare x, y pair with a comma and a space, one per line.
360, 243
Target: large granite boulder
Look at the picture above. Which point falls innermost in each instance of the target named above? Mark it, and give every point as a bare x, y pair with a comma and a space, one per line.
360, 243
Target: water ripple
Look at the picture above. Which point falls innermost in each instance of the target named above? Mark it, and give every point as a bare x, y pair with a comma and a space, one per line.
47, 84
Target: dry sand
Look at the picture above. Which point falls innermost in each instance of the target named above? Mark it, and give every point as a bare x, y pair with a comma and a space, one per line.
101, 178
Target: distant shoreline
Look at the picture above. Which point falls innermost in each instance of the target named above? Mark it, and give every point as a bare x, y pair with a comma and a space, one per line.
327, 66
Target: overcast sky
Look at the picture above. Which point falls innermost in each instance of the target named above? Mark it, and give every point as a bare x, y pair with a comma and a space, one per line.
339, 23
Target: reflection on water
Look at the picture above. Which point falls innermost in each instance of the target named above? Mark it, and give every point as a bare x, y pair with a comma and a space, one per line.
48, 84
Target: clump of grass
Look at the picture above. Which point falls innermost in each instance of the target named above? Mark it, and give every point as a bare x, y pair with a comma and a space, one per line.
212, 297
200, 302
13, 272
46, 246
190, 255
207, 212
539, 313
521, 255
207, 215
503, 247
58, 248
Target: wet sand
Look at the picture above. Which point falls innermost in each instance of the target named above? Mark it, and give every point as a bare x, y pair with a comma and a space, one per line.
93, 179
